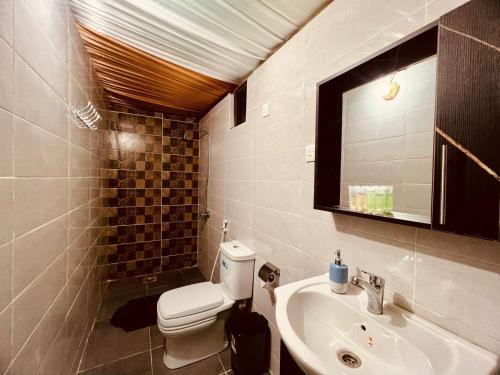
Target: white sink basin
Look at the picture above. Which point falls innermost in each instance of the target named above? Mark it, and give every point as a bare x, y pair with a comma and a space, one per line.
318, 325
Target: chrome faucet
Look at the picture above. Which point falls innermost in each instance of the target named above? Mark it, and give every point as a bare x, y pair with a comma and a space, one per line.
374, 288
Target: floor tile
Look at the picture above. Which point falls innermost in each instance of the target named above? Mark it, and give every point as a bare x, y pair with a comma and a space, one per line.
111, 304
209, 366
225, 358
108, 343
157, 340
139, 364
125, 286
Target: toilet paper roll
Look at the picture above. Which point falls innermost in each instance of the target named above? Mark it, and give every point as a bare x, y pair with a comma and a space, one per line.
268, 275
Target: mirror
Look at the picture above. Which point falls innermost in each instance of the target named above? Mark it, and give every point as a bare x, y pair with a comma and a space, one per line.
387, 143
375, 134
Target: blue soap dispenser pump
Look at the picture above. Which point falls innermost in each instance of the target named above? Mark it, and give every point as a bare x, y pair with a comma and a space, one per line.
338, 275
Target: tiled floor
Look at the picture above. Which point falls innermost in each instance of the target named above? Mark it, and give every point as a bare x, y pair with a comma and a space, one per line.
112, 351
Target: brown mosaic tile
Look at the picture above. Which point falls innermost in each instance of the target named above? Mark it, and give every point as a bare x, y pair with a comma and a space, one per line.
149, 193
176, 262
179, 229
138, 233
179, 163
179, 246
134, 251
182, 180
179, 196
135, 124
134, 268
176, 129
179, 213
180, 146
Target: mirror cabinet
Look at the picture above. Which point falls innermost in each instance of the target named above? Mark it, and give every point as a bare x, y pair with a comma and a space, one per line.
412, 135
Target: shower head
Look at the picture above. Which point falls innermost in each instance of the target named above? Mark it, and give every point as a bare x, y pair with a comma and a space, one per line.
189, 135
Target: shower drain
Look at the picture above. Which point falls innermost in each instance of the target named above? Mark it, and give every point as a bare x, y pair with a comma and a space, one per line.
349, 359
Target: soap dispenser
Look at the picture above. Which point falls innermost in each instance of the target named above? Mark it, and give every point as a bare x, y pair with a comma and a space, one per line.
338, 275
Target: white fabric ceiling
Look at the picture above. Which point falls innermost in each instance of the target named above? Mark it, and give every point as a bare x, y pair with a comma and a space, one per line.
224, 39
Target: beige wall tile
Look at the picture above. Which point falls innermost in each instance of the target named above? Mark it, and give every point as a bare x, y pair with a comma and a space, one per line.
34, 87
282, 226
79, 162
6, 207
6, 143
37, 201
473, 248
36, 102
418, 171
32, 355
7, 73
437, 8
38, 153
7, 20
378, 150
417, 197
36, 250
52, 16
78, 221
461, 291
79, 191
30, 306
5, 274
78, 250
421, 93
5, 338
420, 120
33, 44
419, 145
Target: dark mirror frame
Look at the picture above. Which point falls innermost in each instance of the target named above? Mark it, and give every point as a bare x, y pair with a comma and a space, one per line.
327, 170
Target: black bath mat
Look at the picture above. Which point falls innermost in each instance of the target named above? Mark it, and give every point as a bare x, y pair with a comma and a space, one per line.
136, 314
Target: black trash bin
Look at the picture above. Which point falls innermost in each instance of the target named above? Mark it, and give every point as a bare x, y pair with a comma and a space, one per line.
250, 343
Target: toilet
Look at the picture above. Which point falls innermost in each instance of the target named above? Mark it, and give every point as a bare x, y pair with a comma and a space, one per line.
192, 318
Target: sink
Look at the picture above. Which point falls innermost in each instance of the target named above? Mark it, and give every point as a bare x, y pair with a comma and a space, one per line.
327, 333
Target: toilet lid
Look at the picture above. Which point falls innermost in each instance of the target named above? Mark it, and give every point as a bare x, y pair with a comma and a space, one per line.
189, 300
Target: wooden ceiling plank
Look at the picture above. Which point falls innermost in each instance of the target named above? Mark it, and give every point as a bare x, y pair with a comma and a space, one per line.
132, 77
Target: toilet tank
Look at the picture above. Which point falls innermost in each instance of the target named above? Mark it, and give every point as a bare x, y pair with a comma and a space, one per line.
236, 269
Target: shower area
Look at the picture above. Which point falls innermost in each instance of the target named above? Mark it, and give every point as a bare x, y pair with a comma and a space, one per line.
150, 193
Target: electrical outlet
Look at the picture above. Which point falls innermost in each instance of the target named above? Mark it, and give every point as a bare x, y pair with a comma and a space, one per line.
310, 153
266, 109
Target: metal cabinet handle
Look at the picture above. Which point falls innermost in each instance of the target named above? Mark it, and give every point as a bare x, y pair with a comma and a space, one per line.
442, 198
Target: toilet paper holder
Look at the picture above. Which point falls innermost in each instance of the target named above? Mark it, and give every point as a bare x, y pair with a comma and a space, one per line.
269, 274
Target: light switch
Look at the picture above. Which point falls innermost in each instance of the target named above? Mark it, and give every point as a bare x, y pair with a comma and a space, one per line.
310, 153
266, 110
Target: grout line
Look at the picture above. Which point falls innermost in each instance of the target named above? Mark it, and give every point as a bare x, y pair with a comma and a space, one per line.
83, 341
113, 361
414, 276
150, 347
222, 364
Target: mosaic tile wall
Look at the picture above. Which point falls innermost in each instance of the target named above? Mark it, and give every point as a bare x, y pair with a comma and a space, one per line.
150, 193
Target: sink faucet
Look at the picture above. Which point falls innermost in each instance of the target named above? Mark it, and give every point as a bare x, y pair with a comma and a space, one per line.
375, 290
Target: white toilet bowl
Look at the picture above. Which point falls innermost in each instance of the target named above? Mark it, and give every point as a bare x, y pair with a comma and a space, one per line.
192, 318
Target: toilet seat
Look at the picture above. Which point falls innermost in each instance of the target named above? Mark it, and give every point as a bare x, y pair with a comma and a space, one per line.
189, 306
